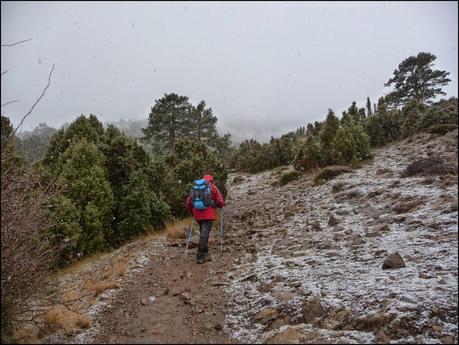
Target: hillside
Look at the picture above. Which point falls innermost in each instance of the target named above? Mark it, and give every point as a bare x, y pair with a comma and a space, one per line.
301, 263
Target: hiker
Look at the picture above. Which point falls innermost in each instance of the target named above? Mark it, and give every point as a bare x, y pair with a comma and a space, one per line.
202, 207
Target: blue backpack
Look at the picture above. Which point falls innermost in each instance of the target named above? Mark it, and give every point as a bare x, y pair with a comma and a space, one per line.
200, 194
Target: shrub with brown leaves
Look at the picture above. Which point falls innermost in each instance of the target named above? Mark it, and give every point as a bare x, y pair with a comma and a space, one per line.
26, 251
430, 166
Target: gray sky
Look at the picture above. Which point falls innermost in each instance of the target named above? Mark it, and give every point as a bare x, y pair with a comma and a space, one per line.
263, 67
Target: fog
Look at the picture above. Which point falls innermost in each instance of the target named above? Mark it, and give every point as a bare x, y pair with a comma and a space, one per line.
264, 68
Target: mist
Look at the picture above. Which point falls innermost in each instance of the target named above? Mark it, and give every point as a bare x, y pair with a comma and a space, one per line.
265, 68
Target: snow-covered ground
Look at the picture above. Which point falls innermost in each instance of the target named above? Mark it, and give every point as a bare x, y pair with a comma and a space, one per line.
315, 273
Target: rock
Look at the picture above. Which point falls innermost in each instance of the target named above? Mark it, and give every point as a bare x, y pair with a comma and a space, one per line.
185, 295
283, 296
394, 260
166, 291
266, 315
148, 301
281, 321
447, 339
382, 337
288, 336
316, 225
312, 309
265, 287
357, 240
424, 276
218, 327
332, 221
380, 252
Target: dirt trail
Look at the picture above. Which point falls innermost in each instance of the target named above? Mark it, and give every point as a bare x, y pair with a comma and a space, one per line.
173, 299
302, 263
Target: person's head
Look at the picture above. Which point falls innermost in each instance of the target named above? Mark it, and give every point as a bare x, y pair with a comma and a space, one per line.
209, 178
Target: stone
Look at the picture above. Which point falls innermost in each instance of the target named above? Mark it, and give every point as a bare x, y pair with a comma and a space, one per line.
312, 309
382, 337
332, 221
394, 260
447, 339
283, 296
357, 240
266, 315
316, 225
288, 336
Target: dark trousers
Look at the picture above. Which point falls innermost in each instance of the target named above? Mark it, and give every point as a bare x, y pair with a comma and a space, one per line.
204, 230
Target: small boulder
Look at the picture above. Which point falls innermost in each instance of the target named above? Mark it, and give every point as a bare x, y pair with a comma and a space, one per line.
332, 221
266, 315
316, 225
312, 309
394, 260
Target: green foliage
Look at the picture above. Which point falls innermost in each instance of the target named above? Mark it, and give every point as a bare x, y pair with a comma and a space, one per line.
289, 176
170, 119
412, 113
188, 161
85, 182
89, 128
327, 135
34, 144
138, 209
112, 189
309, 155
343, 148
6, 131
441, 113
66, 228
416, 80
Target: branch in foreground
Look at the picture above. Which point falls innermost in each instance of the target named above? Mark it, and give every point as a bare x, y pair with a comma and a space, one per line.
4, 72
13, 44
16, 100
38, 100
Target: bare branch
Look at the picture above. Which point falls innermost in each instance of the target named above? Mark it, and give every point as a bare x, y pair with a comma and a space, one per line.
16, 100
38, 100
4, 72
13, 44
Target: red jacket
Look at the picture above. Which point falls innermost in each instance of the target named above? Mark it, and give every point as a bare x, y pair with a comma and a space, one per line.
209, 213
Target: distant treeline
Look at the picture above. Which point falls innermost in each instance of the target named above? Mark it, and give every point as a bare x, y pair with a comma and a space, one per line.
406, 110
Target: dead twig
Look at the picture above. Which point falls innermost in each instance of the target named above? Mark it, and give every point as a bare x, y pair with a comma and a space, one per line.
38, 100
13, 44
16, 100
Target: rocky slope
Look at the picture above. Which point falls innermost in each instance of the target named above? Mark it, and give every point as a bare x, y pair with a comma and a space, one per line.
301, 264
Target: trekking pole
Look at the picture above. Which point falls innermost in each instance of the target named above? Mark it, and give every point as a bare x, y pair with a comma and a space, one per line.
190, 236
221, 231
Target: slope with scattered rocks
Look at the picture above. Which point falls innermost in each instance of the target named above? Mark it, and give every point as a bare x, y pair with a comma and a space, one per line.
369, 256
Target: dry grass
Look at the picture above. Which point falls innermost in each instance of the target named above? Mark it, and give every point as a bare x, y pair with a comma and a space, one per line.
430, 166
97, 287
178, 230
406, 206
78, 266
120, 267
26, 334
61, 317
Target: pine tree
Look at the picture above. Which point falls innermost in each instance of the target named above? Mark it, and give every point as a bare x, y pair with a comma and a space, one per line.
85, 182
343, 148
369, 113
327, 134
169, 120
414, 79
203, 124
